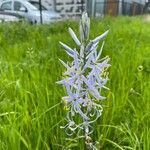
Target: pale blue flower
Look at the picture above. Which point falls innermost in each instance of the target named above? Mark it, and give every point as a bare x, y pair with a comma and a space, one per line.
84, 78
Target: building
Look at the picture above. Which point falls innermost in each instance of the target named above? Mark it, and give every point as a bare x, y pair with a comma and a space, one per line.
115, 7
96, 8
65, 7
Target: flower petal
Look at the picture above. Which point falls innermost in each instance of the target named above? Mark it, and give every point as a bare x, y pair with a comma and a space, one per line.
73, 35
69, 50
99, 38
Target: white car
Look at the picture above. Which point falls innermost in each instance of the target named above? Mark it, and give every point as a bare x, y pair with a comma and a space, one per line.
29, 10
8, 17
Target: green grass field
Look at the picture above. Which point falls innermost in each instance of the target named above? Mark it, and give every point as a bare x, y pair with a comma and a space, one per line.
31, 110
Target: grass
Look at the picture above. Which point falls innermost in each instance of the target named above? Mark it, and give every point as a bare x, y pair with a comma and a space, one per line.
31, 109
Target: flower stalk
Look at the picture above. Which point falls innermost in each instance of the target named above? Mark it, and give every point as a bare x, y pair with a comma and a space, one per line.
84, 79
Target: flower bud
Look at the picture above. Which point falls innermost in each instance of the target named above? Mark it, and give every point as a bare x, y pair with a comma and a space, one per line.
84, 27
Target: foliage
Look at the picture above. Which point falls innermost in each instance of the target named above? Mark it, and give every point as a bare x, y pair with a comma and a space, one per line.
31, 111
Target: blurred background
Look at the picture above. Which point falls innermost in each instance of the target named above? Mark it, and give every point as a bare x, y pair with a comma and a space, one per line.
97, 7
69, 9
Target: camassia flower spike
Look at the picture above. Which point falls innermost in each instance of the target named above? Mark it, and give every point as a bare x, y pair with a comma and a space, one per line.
84, 79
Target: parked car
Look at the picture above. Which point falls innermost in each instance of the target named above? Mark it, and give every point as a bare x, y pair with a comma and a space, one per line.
29, 10
9, 17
